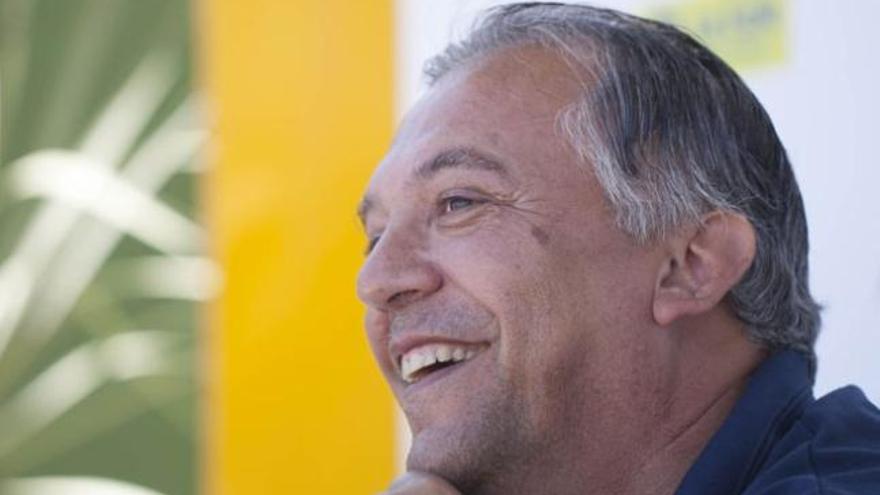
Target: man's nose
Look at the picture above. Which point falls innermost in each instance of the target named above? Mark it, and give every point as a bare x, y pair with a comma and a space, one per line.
397, 272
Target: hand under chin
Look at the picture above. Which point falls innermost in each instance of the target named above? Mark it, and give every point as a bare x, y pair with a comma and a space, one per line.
417, 483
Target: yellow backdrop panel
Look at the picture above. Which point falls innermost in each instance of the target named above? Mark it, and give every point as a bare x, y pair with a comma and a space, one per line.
299, 96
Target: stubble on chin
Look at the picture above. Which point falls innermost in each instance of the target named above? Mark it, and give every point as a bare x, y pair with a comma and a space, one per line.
479, 452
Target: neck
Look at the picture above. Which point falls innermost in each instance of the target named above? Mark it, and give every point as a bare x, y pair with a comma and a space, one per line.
664, 469
715, 360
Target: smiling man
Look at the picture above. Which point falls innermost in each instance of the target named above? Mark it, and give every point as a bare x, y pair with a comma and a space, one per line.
587, 273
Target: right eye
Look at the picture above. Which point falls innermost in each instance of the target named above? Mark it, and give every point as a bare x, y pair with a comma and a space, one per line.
455, 203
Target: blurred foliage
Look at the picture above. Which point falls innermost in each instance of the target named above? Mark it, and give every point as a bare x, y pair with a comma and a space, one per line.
101, 265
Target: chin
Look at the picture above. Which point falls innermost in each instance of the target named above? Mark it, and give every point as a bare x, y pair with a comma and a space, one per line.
472, 457
456, 464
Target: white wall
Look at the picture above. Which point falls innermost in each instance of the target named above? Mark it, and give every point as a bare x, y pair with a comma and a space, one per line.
823, 99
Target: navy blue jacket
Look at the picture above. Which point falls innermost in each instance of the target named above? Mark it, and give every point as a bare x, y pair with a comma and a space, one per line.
779, 440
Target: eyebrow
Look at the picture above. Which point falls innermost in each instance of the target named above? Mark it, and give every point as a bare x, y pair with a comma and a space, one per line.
468, 158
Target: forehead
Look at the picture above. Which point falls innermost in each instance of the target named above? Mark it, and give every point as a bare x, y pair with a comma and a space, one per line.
504, 107
496, 100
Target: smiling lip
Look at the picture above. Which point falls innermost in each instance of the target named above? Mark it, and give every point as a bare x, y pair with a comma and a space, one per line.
415, 358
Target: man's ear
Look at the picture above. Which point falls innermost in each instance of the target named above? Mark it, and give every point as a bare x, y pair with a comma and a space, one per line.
702, 265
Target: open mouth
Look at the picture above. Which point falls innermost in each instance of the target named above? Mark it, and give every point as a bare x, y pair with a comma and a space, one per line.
424, 360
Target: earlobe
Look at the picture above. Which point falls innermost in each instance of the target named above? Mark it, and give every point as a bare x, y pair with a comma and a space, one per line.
703, 264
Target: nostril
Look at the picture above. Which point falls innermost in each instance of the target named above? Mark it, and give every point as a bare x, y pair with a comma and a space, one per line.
403, 297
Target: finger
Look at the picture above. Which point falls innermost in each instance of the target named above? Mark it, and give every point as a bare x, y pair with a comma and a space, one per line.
417, 483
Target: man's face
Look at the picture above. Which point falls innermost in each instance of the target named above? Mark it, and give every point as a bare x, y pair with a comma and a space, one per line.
494, 254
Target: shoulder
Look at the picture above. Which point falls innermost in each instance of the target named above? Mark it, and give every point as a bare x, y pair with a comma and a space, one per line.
832, 449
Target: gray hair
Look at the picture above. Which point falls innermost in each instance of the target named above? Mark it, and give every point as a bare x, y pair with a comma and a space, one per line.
672, 133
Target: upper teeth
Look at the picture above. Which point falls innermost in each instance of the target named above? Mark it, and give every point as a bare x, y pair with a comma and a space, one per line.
426, 355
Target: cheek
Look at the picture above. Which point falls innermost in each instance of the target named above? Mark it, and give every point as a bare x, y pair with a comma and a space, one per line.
497, 252
513, 273
505, 268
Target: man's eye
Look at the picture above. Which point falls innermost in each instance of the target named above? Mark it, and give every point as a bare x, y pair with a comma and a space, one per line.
456, 203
